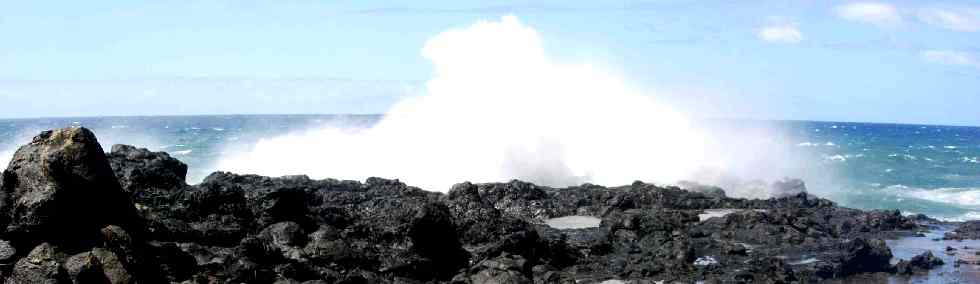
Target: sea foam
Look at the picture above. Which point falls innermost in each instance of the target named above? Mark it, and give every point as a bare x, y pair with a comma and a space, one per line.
498, 108
963, 197
5, 156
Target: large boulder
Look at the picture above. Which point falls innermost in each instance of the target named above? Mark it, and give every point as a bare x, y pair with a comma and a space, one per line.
923, 261
860, 255
41, 265
60, 188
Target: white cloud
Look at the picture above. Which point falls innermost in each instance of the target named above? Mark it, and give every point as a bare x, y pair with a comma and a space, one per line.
875, 13
963, 19
780, 34
950, 57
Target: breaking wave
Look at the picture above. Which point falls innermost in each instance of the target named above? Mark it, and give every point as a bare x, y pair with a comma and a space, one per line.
965, 197
499, 108
5, 156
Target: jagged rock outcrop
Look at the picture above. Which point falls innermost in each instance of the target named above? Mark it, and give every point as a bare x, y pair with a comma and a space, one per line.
969, 230
234, 228
140, 171
59, 188
63, 207
918, 263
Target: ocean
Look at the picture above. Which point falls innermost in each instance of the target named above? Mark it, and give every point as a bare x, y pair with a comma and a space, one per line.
927, 169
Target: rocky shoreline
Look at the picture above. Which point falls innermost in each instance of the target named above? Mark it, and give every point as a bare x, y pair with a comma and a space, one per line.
73, 214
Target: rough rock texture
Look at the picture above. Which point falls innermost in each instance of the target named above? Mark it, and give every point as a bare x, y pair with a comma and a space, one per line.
139, 170
921, 262
253, 229
969, 230
61, 189
41, 265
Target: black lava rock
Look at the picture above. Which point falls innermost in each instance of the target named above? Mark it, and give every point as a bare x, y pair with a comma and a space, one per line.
71, 214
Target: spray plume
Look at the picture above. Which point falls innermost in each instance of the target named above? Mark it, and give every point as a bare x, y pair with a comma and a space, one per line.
496, 109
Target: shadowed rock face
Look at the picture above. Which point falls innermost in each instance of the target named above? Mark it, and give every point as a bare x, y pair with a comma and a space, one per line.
60, 188
140, 170
253, 229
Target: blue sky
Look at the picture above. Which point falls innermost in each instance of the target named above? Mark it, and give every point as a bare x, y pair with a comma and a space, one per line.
897, 61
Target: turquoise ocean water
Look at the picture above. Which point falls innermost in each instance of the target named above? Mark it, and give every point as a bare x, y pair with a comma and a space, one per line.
917, 168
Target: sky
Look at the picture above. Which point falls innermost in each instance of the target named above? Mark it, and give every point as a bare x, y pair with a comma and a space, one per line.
888, 61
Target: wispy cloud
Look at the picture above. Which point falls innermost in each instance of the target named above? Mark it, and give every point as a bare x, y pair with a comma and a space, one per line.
963, 19
570, 7
785, 33
950, 57
875, 13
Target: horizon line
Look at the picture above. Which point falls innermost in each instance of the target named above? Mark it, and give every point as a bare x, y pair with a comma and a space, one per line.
382, 114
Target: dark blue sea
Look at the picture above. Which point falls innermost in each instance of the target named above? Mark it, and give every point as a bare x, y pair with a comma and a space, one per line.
916, 168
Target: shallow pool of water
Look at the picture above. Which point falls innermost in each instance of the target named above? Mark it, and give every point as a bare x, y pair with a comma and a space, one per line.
573, 222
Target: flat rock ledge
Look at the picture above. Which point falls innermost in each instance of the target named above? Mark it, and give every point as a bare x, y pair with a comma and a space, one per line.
72, 214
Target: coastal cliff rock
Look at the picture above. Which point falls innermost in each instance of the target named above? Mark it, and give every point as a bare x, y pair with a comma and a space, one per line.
140, 170
143, 224
60, 188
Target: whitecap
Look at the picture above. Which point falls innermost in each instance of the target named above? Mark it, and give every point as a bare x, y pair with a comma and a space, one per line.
960, 196
217, 129
835, 158
949, 147
805, 261
974, 160
182, 152
903, 156
705, 261
815, 144
968, 216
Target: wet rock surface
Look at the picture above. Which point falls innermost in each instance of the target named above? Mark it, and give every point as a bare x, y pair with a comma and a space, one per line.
143, 224
969, 230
